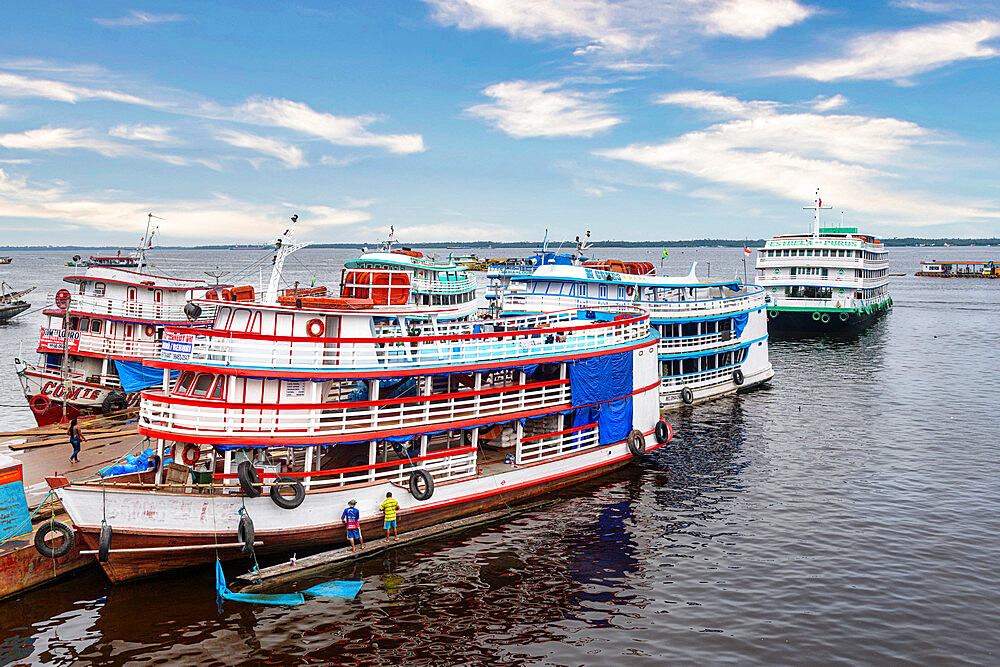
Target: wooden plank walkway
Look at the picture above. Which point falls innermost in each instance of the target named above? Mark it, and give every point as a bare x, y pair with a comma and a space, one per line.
269, 577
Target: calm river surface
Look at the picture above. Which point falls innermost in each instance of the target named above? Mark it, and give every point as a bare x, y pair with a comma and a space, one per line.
848, 513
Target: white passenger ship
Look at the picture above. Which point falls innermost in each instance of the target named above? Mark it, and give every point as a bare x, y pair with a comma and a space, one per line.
713, 334
395, 278
320, 405
92, 347
827, 281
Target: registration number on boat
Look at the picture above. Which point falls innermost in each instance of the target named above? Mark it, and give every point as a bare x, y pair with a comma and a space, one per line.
176, 346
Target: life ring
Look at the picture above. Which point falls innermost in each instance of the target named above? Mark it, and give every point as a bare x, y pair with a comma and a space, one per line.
245, 534
104, 543
53, 526
315, 328
630, 290
815, 316
663, 432
844, 317
284, 502
687, 395
249, 479
150, 330
191, 454
418, 476
636, 443
738, 377
824, 318
772, 314
39, 403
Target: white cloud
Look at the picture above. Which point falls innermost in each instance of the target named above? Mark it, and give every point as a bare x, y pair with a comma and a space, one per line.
543, 109
857, 160
21, 86
898, 55
338, 130
136, 19
618, 26
754, 19
58, 138
140, 132
822, 104
287, 153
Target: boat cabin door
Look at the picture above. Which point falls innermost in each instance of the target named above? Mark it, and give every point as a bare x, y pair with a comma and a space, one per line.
331, 348
131, 296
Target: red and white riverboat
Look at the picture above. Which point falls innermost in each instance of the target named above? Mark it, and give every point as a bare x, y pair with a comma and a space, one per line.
286, 409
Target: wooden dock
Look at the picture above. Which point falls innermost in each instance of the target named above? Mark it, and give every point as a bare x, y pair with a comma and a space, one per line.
285, 573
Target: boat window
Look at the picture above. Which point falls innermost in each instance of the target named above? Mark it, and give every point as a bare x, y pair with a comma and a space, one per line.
202, 385
220, 385
99, 289
82, 289
826, 253
241, 318
95, 326
85, 324
183, 382
74, 322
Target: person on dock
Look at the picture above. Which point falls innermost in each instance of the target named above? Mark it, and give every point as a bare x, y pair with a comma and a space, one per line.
75, 438
389, 507
352, 518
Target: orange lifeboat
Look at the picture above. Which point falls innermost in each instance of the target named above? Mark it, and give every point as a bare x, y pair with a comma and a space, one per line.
324, 302
242, 293
393, 288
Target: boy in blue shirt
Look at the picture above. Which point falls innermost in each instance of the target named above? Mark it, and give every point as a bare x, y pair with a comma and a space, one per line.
352, 518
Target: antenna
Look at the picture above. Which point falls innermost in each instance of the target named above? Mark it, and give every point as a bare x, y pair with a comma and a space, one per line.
284, 246
146, 241
216, 274
817, 205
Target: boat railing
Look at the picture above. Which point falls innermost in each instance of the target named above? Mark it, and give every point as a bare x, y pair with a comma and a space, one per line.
72, 376
138, 310
749, 298
177, 416
88, 343
459, 286
442, 465
698, 379
679, 344
462, 327
536, 448
226, 348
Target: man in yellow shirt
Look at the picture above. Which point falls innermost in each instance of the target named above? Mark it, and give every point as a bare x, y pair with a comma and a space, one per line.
389, 507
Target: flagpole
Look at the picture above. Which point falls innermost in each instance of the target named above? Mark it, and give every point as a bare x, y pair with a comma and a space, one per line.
745, 261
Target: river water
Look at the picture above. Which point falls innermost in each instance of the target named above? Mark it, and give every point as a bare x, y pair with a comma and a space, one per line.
850, 512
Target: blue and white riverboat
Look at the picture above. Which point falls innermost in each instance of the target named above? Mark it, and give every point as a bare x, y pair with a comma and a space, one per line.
714, 337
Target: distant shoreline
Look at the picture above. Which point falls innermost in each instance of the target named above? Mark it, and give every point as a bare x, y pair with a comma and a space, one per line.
555, 245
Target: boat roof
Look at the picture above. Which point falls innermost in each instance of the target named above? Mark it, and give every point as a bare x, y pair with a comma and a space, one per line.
400, 259
586, 274
110, 274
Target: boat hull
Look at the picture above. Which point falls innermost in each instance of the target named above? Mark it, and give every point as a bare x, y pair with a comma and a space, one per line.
797, 323
7, 311
84, 398
158, 520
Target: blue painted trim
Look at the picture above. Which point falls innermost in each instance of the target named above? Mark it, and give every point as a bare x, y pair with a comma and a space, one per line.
705, 353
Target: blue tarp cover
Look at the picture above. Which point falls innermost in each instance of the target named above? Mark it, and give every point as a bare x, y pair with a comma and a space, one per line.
335, 589
135, 377
255, 598
604, 380
740, 323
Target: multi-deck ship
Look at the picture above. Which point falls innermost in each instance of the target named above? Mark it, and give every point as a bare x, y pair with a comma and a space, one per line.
713, 334
322, 404
828, 281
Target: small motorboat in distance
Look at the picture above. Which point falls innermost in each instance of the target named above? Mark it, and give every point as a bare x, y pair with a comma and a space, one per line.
12, 304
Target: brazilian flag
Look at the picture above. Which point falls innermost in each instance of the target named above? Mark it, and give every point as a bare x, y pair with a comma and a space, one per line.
665, 253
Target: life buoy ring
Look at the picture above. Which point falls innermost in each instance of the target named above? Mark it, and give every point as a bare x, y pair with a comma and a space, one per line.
416, 478
815, 316
824, 318
283, 501
687, 395
245, 534
39, 403
772, 314
315, 328
150, 330
663, 432
844, 317
191, 454
636, 443
249, 479
104, 543
53, 526
738, 377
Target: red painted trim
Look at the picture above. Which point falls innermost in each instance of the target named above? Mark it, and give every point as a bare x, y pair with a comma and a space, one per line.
532, 438
326, 439
382, 373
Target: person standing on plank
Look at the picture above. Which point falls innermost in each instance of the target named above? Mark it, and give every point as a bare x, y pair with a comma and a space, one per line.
389, 507
75, 438
352, 518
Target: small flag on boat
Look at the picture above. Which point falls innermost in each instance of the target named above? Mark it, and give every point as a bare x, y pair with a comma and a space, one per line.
747, 250
665, 253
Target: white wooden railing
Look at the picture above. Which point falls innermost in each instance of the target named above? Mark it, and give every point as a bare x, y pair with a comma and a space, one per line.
168, 415
749, 298
139, 310
694, 343
533, 449
674, 383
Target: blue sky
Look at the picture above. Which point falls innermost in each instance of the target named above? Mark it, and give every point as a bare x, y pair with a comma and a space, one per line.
496, 119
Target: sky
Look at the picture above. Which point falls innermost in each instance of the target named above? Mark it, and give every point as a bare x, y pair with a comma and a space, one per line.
496, 119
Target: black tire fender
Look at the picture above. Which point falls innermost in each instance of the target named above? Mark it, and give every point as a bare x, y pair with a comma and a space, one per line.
245, 534
249, 479
53, 526
104, 543
428, 484
283, 501
687, 395
738, 377
153, 463
663, 433
113, 402
636, 443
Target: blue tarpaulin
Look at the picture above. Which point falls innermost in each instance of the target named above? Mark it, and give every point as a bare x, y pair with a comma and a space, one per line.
135, 376
335, 589
614, 420
604, 380
255, 598
740, 323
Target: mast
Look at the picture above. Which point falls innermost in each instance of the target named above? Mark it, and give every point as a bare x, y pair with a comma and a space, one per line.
817, 205
284, 247
146, 242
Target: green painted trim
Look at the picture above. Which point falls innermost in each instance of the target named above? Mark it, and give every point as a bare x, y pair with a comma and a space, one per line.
887, 302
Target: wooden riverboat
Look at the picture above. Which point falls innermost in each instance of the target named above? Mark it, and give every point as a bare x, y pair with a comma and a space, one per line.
324, 403
959, 269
